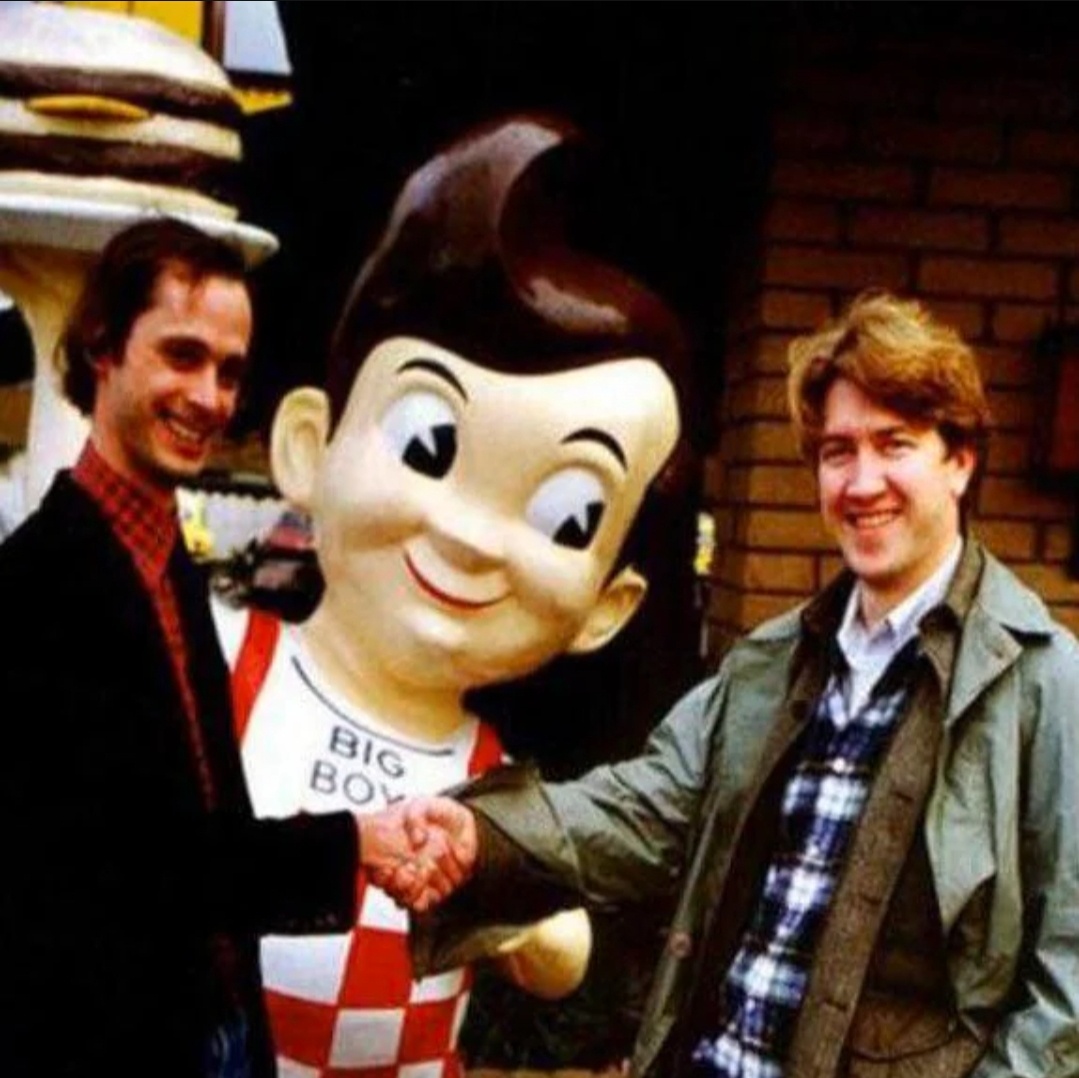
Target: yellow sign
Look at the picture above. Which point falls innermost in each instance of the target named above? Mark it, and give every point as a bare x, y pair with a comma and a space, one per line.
186, 17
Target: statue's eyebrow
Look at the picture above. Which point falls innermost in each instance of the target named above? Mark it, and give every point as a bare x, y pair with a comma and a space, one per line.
600, 437
439, 370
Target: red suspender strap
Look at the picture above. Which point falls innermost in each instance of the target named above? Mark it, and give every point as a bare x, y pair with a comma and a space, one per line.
252, 666
486, 753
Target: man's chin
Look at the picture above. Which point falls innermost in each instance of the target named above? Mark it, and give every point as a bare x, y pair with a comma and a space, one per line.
175, 473
870, 566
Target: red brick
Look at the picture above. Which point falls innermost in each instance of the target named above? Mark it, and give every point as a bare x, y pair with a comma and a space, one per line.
783, 573
1013, 409
1045, 146
715, 476
939, 54
1004, 97
1009, 453
736, 486
780, 572
799, 132
788, 219
1073, 283
829, 566
1006, 189
897, 87
794, 310
1041, 235
1020, 323
893, 137
1013, 279
942, 231
777, 529
725, 604
831, 179
824, 267
724, 519
735, 612
743, 315
738, 360
1057, 544
1016, 498
1011, 368
772, 485
967, 318
770, 355
771, 442
757, 609
1011, 539
1051, 582
762, 398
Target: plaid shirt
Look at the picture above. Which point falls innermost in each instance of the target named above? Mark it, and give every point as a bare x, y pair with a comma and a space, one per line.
822, 803
149, 530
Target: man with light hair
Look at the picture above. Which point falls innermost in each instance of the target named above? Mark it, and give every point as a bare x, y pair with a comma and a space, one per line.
868, 820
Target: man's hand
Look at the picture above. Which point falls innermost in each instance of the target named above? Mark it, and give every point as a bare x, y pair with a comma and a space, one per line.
419, 852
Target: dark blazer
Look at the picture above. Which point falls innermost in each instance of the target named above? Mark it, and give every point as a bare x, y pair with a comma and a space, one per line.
116, 878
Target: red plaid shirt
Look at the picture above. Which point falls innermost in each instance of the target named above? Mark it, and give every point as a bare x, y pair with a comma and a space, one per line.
148, 528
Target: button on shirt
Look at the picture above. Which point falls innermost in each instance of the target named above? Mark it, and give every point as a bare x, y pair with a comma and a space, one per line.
869, 651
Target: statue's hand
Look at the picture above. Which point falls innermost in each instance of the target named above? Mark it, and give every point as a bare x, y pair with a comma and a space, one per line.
549, 958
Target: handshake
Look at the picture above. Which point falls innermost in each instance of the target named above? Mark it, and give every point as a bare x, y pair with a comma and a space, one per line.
419, 851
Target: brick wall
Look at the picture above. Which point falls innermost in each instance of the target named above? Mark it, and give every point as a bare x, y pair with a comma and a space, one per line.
949, 172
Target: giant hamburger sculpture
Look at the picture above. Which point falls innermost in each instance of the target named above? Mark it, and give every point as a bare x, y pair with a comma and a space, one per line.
103, 119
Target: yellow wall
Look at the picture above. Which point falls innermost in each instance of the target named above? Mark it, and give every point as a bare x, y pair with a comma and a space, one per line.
185, 17
181, 16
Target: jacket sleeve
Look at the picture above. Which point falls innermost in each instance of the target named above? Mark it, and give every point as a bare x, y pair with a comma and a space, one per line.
624, 828
93, 821
291, 876
617, 834
1039, 1036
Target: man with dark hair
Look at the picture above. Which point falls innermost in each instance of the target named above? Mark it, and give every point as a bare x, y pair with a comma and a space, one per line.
869, 819
121, 286
136, 877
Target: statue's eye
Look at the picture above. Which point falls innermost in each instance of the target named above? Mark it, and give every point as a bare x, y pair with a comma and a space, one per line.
568, 507
421, 429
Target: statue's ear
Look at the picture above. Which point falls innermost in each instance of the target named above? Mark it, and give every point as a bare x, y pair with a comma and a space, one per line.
297, 441
617, 603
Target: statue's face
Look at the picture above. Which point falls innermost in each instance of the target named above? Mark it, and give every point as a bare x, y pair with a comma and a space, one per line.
467, 521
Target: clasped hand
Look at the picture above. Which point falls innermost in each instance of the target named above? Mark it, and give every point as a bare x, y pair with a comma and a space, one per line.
420, 851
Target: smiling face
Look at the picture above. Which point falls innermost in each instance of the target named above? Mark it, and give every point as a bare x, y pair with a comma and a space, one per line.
889, 492
160, 406
467, 521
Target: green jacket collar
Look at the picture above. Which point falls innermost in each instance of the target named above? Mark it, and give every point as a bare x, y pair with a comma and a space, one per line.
995, 610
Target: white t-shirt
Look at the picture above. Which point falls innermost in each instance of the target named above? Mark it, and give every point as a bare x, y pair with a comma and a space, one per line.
343, 1002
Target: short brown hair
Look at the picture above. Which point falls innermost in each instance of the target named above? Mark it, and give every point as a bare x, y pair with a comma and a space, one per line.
120, 287
898, 354
475, 258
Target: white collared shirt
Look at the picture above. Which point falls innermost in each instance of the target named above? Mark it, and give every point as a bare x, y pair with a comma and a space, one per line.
869, 651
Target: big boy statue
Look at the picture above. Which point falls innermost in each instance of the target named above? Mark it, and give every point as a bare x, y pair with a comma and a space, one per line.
497, 406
